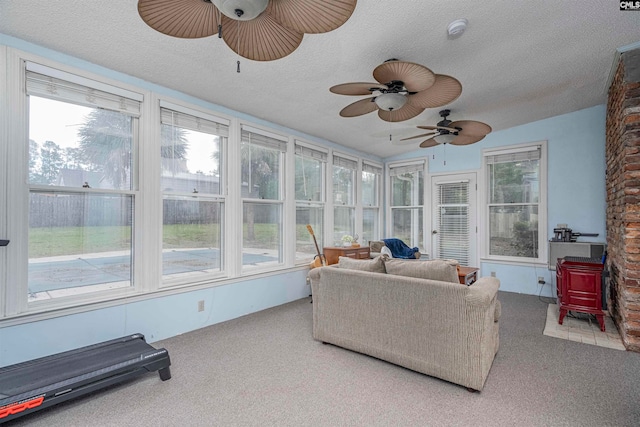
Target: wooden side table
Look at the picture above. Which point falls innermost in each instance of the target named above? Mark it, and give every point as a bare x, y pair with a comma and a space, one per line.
467, 275
332, 253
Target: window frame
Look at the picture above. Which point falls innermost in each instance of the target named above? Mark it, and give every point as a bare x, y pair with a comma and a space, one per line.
336, 158
422, 165
283, 141
377, 169
15, 298
322, 155
542, 204
187, 278
147, 276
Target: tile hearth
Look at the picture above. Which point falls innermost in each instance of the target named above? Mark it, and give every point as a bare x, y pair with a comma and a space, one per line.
582, 328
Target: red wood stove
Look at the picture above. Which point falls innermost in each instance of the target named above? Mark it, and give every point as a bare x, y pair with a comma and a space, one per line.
579, 286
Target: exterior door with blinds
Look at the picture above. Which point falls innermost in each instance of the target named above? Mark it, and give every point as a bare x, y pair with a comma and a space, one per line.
454, 228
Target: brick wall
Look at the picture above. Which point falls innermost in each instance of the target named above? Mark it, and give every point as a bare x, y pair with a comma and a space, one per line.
623, 197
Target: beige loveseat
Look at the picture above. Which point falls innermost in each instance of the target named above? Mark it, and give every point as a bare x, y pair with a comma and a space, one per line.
383, 308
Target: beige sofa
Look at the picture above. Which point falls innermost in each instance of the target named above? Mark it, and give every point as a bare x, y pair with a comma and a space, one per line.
384, 308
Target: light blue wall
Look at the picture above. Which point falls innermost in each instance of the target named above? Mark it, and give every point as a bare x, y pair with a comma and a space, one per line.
576, 181
156, 318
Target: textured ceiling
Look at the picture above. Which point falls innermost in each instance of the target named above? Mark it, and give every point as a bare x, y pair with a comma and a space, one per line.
518, 61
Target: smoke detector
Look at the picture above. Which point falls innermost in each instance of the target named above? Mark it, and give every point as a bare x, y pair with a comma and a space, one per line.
457, 27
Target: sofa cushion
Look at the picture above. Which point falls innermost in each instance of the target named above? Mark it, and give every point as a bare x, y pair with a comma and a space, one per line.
375, 265
432, 269
376, 245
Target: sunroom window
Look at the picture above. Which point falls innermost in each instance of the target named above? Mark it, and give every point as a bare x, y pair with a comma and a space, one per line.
192, 182
371, 181
82, 185
344, 197
262, 189
406, 201
515, 197
310, 199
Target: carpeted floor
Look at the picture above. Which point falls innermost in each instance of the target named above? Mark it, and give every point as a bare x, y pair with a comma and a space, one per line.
265, 369
582, 327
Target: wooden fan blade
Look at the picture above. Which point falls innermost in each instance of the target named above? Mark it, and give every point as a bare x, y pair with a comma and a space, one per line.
471, 127
357, 88
187, 19
466, 140
428, 143
444, 90
261, 39
450, 129
418, 136
405, 113
359, 108
415, 77
311, 16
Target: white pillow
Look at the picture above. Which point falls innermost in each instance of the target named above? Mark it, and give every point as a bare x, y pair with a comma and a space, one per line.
386, 251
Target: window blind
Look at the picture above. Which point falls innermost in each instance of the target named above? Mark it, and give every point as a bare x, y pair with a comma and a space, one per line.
344, 162
263, 140
304, 151
55, 88
401, 170
366, 167
187, 121
452, 221
532, 153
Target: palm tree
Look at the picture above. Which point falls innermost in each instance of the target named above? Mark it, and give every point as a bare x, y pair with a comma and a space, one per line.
259, 169
106, 142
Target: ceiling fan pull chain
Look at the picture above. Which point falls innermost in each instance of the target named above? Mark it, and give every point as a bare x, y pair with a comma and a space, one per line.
219, 23
238, 46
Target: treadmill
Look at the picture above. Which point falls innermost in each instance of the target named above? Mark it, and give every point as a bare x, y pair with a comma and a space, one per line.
37, 384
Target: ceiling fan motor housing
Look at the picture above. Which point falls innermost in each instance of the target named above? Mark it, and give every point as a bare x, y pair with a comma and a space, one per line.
242, 10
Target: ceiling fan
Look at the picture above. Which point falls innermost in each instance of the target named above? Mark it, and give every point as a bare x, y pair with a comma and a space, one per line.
460, 132
261, 30
403, 90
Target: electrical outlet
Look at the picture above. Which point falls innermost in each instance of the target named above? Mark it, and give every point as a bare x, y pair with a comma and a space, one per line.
201, 305
493, 274
541, 280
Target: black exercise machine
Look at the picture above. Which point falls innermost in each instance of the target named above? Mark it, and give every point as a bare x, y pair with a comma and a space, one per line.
36, 384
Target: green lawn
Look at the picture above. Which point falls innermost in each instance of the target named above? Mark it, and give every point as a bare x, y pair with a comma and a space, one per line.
55, 241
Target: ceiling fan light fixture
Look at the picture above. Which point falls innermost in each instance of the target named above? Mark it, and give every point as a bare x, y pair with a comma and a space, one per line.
390, 101
445, 138
242, 10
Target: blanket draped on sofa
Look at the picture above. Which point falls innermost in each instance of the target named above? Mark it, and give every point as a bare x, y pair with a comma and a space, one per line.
399, 249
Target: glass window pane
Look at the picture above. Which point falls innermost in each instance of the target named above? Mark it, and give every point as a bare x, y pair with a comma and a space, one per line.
343, 185
312, 215
309, 179
513, 231
514, 182
260, 172
191, 238
75, 146
343, 223
261, 234
190, 161
407, 189
370, 225
78, 243
407, 226
370, 182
